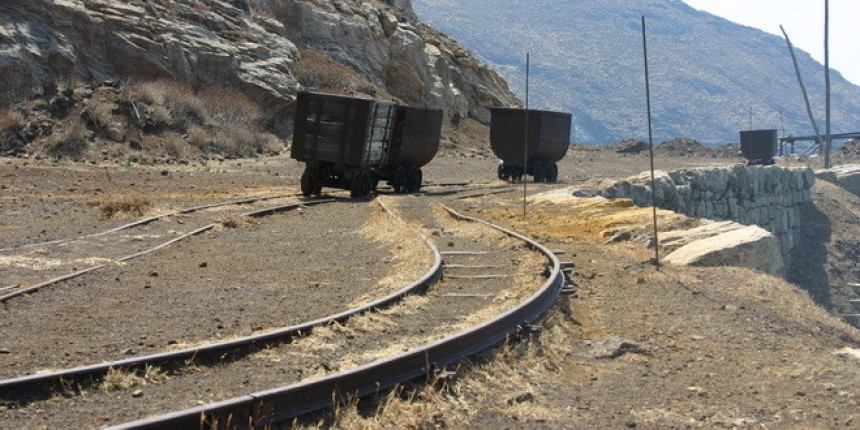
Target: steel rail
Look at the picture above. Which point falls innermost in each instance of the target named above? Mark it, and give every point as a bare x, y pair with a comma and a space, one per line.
262, 212
279, 404
147, 220
41, 385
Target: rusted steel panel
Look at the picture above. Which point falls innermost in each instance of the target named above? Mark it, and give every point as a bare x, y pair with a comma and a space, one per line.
548, 134
759, 145
345, 130
416, 135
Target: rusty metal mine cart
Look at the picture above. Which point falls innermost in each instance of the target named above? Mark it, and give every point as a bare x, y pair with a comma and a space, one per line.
353, 143
547, 143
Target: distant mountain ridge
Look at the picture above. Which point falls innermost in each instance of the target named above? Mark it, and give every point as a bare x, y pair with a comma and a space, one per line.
710, 77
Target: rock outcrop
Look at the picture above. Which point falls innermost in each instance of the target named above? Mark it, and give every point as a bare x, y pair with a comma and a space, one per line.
846, 176
727, 244
767, 196
231, 44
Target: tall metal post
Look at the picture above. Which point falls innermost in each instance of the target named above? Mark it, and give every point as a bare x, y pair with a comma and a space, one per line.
827, 83
650, 145
526, 141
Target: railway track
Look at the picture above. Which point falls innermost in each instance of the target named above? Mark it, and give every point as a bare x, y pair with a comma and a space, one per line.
34, 266
443, 353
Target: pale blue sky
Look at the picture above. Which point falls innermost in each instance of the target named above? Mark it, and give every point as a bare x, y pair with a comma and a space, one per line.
804, 22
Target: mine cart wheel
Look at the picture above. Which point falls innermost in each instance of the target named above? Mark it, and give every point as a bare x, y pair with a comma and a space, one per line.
360, 185
413, 180
516, 174
503, 172
398, 181
551, 172
310, 182
539, 171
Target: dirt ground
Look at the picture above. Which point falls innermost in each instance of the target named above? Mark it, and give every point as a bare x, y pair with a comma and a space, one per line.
635, 347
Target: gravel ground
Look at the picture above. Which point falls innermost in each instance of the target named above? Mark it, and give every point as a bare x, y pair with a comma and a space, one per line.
710, 347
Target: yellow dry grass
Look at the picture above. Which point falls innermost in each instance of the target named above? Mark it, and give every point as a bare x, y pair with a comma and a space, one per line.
44, 263
586, 218
410, 257
118, 379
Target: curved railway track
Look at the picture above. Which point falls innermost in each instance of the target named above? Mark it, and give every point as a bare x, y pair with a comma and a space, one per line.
40, 385
403, 367
279, 404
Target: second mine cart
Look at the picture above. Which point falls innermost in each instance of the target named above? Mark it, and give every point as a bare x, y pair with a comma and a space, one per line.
548, 141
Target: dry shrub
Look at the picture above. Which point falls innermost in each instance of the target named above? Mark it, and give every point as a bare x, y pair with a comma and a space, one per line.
69, 141
177, 98
125, 206
316, 69
179, 148
227, 106
11, 123
101, 112
198, 136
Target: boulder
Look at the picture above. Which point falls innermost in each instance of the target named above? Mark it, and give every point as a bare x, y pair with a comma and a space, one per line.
746, 246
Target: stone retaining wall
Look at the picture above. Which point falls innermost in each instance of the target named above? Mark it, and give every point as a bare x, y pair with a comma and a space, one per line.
767, 196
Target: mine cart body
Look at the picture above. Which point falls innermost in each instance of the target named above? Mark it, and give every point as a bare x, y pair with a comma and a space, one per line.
759, 146
341, 140
414, 142
353, 143
548, 142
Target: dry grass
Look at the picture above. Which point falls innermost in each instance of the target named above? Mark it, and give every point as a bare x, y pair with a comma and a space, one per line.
410, 258
11, 123
122, 207
117, 379
101, 112
316, 69
69, 141
167, 103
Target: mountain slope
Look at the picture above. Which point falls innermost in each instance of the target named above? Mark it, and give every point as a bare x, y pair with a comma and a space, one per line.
709, 76
265, 49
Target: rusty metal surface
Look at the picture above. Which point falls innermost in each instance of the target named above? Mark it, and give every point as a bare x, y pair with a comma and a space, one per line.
548, 134
759, 145
342, 130
416, 135
266, 407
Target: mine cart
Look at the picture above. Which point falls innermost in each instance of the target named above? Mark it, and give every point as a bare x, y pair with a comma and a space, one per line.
414, 143
342, 141
759, 146
547, 143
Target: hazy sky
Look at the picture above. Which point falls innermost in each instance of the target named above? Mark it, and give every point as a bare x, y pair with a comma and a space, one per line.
804, 22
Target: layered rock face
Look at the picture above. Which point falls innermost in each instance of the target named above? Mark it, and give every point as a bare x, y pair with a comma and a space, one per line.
229, 44
766, 196
412, 61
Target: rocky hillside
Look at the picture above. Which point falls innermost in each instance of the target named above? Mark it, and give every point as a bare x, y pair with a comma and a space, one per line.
259, 50
708, 75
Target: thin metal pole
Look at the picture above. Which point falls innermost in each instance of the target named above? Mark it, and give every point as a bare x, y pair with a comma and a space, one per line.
827, 83
802, 88
650, 145
526, 141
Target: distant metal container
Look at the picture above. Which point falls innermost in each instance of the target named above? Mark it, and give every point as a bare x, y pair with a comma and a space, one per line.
345, 130
759, 146
416, 135
548, 141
